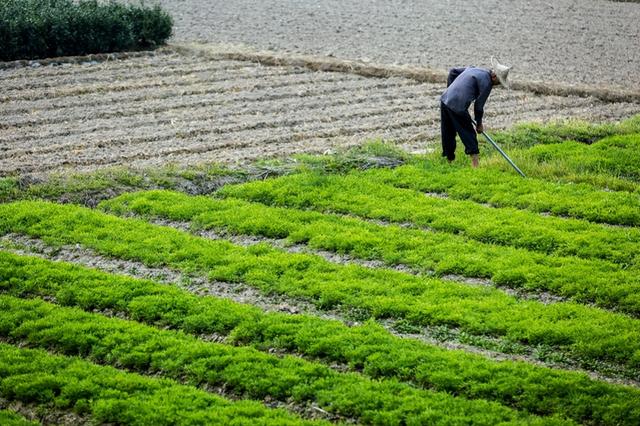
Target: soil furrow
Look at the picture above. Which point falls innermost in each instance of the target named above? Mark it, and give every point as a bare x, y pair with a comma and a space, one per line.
264, 146
203, 124
170, 115
147, 95
208, 125
109, 75
187, 123
251, 152
164, 146
42, 64
101, 107
77, 67
388, 95
155, 84
98, 139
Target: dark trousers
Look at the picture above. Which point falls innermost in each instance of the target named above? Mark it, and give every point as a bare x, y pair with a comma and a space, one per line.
451, 123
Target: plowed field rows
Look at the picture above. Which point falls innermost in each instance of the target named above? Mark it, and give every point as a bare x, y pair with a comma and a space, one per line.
182, 109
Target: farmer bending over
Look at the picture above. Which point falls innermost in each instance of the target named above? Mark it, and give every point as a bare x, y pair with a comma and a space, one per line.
466, 85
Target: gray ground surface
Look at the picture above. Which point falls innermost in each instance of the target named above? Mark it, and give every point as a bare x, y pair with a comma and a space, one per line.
184, 109
572, 41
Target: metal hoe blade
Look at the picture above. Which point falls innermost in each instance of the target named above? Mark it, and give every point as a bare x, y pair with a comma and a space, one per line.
506, 157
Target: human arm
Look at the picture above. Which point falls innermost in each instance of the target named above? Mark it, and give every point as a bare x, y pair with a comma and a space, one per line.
484, 89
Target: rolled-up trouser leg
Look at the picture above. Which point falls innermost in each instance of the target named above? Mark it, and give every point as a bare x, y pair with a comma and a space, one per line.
464, 127
447, 132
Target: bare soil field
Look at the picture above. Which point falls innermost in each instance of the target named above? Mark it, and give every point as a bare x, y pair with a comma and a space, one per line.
184, 109
592, 42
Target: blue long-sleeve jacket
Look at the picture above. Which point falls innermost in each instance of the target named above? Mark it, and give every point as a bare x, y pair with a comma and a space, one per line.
466, 85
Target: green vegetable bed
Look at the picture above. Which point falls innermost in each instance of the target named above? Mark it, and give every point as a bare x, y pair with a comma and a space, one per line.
543, 265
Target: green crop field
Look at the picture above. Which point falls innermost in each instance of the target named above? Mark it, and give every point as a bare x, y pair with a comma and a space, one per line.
369, 286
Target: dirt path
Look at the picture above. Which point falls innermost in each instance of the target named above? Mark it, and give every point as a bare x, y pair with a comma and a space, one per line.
185, 108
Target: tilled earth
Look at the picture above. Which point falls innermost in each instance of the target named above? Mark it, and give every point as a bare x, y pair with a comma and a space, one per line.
187, 109
592, 42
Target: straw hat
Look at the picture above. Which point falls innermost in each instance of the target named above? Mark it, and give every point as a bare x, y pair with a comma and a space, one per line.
502, 72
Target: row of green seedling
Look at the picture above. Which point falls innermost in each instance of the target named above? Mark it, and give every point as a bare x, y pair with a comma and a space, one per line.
506, 189
584, 280
243, 371
109, 396
615, 170
612, 160
11, 418
367, 348
587, 333
362, 195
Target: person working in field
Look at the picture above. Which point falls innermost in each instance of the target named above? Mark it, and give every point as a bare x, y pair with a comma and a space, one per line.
464, 86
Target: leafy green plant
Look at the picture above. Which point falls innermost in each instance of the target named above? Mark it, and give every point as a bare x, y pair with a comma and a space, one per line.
111, 396
241, 370
503, 189
423, 251
589, 280
566, 169
530, 134
584, 331
615, 156
367, 348
11, 418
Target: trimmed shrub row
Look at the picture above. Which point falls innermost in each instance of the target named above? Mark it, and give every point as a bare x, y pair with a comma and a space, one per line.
32, 29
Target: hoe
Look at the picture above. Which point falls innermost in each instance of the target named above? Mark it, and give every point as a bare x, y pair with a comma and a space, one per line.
506, 157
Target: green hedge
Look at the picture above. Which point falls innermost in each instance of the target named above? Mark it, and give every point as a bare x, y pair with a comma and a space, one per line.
32, 29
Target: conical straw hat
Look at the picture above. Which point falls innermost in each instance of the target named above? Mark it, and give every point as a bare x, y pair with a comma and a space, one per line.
502, 72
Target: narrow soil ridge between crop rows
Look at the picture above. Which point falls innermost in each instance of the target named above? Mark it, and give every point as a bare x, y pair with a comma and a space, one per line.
320, 63
98, 57
445, 337
208, 128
